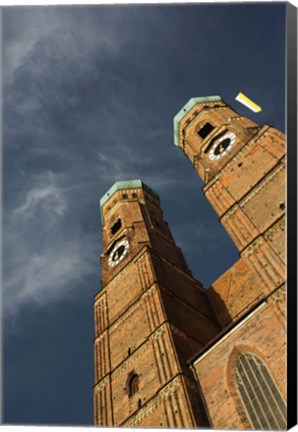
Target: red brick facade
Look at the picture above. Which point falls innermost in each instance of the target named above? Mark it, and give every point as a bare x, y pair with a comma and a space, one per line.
169, 353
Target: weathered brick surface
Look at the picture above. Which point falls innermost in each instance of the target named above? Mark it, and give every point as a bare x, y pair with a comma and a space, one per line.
258, 272
122, 291
170, 408
265, 264
150, 317
246, 187
101, 313
234, 292
153, 362
199, 327
275, 236
181, 284
185, 345
266, 202
125, 335
249, 204
153, 319
274, 142
218, 196
248, 166
263, 334
240, 227
103, 408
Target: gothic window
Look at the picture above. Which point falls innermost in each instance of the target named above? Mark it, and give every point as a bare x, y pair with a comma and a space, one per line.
260, 395
116, 226
132, 384
205, 130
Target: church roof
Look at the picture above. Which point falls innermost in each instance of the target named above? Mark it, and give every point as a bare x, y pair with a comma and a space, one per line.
126, 184
187, 107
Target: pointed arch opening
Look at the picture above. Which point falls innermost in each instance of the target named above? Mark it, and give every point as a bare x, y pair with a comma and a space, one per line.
132, 384
259, 393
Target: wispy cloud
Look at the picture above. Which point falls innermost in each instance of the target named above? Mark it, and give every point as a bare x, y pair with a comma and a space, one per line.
93, 99
47, 253
50, 275
24, 29
46, 198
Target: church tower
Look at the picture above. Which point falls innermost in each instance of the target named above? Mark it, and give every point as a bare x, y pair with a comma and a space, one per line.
242, 166
151, 316
242, 374
169, 353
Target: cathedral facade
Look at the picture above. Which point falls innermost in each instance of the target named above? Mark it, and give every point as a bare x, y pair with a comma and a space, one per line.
168, 352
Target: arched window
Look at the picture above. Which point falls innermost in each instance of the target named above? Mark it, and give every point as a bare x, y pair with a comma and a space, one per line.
132, 385
260, 395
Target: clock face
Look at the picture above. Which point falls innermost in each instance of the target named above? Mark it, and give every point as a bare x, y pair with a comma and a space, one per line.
118, 253
222, 146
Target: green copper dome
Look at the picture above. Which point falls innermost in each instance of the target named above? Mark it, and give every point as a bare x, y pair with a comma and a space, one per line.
187, 107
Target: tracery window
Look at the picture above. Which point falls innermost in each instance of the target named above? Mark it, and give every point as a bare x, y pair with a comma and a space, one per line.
260, 395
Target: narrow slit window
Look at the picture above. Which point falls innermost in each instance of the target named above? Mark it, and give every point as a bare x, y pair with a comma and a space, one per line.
133, 385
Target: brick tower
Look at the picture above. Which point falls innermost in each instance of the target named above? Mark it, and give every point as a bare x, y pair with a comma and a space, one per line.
169, 353
150, 317
242, 372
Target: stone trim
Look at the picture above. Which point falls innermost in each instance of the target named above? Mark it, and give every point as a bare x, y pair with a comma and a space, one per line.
250, 250
279, 296
278, 226
102, 384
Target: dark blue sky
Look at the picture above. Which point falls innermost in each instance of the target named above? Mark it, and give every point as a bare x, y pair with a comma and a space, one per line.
89, 96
